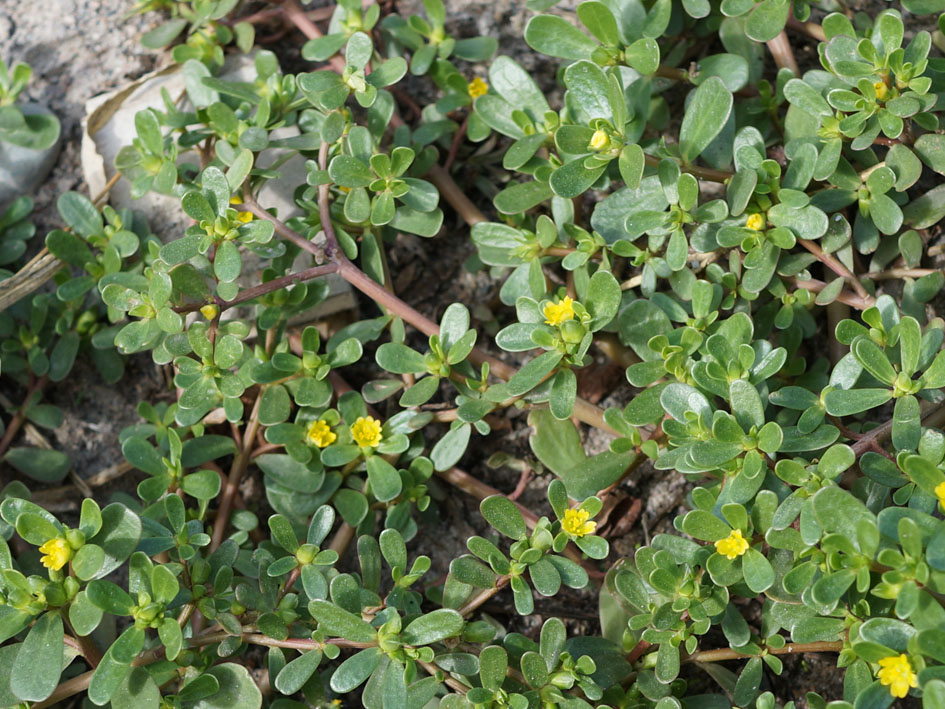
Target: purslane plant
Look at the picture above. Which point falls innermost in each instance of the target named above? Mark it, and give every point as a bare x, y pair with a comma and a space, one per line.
754, 245
25, 129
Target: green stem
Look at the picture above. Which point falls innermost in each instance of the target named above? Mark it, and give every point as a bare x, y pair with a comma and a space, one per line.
672, 72
723, 654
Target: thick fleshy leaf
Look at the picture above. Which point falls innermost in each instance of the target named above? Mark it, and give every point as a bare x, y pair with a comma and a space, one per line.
557, 37
340, 623
42, 650
433, 627
706, 115
846, 402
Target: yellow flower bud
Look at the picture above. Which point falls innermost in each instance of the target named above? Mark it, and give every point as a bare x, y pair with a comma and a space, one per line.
572, 331
756, 221
305, 554
882, 90
210, 311
244, 217
75, 539
600, 140
940, 494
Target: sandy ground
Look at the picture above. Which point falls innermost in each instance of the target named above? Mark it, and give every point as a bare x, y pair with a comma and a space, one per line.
77, 48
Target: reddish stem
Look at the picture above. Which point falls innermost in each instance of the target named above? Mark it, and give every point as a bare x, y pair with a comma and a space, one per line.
723, 654
454, 146
637, 652
19, 418
815, 286
268, 287
839, 268
780, 48
236, 475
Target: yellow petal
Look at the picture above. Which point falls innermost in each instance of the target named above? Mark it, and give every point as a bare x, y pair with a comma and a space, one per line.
366, 432
320, 434
755, 222
600, 140
477, 88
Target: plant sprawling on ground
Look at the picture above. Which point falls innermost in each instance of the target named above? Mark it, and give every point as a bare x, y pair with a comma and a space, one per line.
749, 241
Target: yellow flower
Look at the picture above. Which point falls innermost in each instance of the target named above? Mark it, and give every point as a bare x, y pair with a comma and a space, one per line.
210, 311
557, 313
366, 431
576, 523
244, 217
940, 494
599, 141
320, 433
755, 222
57, 553
896, 673
477, 88
733, 546
881, 92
